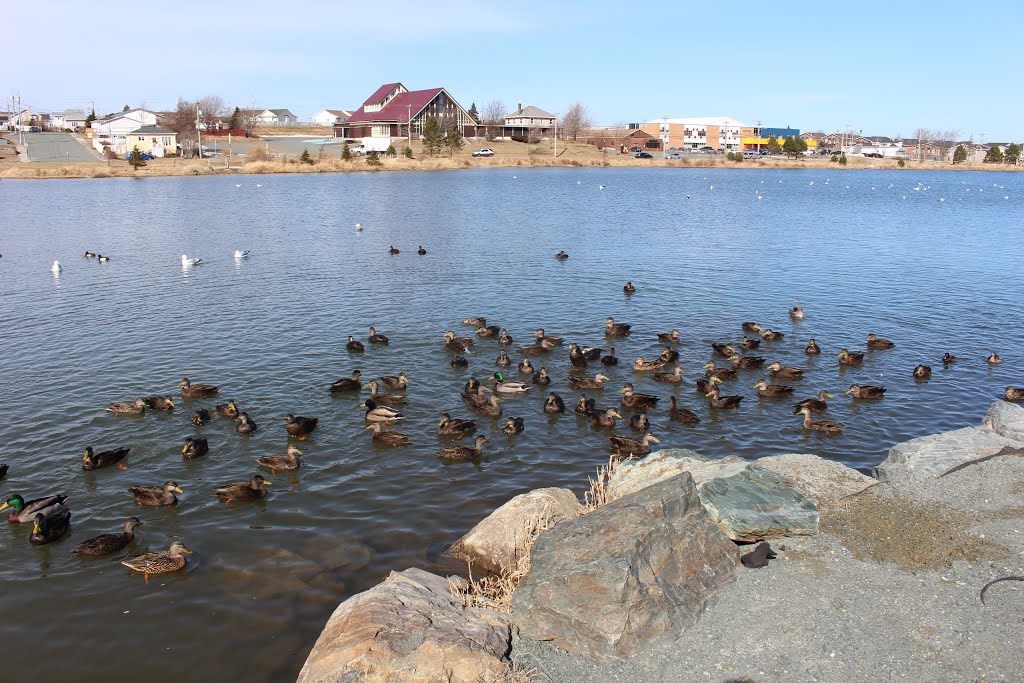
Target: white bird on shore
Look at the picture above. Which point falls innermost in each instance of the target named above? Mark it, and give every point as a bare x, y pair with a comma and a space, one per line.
187, 262
359, 227
240, 254
56, 268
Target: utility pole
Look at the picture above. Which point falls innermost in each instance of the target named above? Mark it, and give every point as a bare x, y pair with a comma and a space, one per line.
758, 134
199, 134
408, 123
554, 152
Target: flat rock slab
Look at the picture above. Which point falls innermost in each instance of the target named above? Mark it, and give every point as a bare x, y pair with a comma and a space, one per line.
932, 456
632, 573
409, 628
498, 543
1006, 419
826, 481
750, 503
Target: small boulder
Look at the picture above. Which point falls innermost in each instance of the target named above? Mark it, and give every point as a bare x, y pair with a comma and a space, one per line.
631, 574
826, 481
934, 455
498, 542
409, 627
1006, 419
630, 476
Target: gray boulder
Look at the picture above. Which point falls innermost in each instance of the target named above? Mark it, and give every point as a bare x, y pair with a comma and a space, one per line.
633, 573
409, 628
631, 476
932, 456
498, 542
1006, 419
825, 481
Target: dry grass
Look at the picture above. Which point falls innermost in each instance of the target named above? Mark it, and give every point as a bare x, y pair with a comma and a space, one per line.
310, 131
597, 496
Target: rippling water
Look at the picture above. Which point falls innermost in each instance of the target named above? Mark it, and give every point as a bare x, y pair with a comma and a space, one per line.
935, 268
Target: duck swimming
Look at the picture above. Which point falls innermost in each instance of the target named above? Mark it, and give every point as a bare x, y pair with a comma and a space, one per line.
354, 346
544, 338
576, 356
421, 251
748, 344
642, 365
721, 373
717, 400
610, 359
629, 288
189, 390
746, 362
525, 367
51, 527
766, 390
826, 426
562, 256
376, 338
228, 410
922, 372
463, 453
287, 462
614, 329
604, 418
797, 312
777, 369
96, 461
104, 544
201, 417
554, 404
459, 362
595, 382
751, 327
195, 448
679, 414
771, 335
456, 344
669, 337
459, 428
629, 446
243, 490
542, 378
22, 512
669, 355
391, 439
384, 399
399, 382
632, 399
348, 383
159, 402
816, 404
393, 251
513, 426
487, 332
948, 358
585, 406
301, 426
245, 424
993, 358
877, 343
136, 407
675, 377
163, 562
866, 391
723, 349
847, 358
154, 496
812, 348
504, 338
640, 423
503, 386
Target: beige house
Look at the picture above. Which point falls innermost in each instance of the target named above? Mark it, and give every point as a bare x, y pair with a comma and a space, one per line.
155, 140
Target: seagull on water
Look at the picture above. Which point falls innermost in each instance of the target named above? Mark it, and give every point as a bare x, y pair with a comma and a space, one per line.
600, 187
240, 254
359, 227
259, 184
238, 184
187, 262
55, 268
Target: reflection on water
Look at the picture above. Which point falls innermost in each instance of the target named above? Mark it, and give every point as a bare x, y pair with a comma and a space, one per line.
270, 330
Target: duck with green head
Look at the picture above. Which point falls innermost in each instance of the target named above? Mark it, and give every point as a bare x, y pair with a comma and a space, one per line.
23, 512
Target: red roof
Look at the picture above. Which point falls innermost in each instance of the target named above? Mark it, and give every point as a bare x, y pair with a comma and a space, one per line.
398, 108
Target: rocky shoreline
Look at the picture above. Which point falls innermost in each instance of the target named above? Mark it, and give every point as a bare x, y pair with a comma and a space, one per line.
870, 577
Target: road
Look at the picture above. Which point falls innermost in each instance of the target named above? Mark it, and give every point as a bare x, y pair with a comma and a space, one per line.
57, 147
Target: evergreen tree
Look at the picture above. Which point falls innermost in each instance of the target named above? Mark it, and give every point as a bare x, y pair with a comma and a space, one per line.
407, 152
773, 146
373, 159
473, 113
135, 159
994, 155
1012, 153
960, 155
236, 119
432, 138
453, 140
390, 151
794, 146
346, 153
90, 118
126, 108
305, 158
842, 160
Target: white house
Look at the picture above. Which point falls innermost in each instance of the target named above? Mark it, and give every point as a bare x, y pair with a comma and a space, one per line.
69, 119
277, 117
329, 117
124, 123
530, 117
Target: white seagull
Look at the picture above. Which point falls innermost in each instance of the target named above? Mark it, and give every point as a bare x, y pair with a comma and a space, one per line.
600, 187
55, 268
359, 227
187, 262
239, 254
238, 185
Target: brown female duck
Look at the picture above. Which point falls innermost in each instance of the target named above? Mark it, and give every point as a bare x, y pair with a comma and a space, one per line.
781, 371
391, 439
189, 390
595, 382
104, 544
746, 362
817, 404
826, 426
195, 448
629, 446
97, 461
243, 490
453, 427
632, 399
614, 329
463, 453
136, 407
865, 391
812, 348
348, 383
847, 358
674, 377
155, 496
766, 390
287, 461
678, 414
877, 343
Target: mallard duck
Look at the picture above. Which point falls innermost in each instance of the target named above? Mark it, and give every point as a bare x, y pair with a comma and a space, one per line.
525, 367
632, 399
876, 342
669, 337
993, 358
561, 256
817, 404
847, 358
826, 426
641, 365
51, 527
475, 322
554, 404
592, 352
136, 407
772, 390
421, 251
302, 426
718, 401
384, 399
749, 344
459, 362
1010, 394
858, 391
771, 335
393, 251
243, 490
704, 384
513, 426
668, 356
348, 383
163, 562
453, 427
595, 382
391, 439
195, 448
354, 346
104, 544
681, 414
542, 377
189, 390
797, 312
487, 331
536, 349
503, 361
585, 406
245, 424
948, 358
463, 453
399, 382
746, 362
725, 350
504, 338
777, 369
922, 372
22, 512
456, 344
228, 410
543, 337
489, 406
576, 356
614, 329
159, 402
283, 461
751, 327
640, 422
629, 288
154, 496
377, 338
96, 461
604, 418
610, 359
503, 386
629, 446
201, 417
377, 413
675, 377
472, 392
812, 348
710, 368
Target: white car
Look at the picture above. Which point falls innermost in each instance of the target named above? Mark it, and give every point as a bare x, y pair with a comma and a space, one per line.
485, 152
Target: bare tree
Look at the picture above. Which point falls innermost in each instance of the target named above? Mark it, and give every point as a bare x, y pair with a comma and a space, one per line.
493, 116
184, 124
248, 119
211, 108
575, 120
923, 136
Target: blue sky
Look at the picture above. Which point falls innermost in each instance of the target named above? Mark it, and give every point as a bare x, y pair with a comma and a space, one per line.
884, 68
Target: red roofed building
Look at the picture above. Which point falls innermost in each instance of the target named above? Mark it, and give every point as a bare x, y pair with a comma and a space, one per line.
389, 112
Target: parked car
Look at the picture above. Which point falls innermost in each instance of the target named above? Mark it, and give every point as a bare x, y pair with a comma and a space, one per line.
485, 152
707, 150
675, 155
644, 155
635, 150
146, 156
749, 153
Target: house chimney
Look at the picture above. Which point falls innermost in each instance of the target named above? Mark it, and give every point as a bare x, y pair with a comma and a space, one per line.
520, 110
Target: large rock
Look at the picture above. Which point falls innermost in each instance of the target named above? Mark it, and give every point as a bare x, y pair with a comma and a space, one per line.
825, 481
932, 456
498, 542
1006, 419
750, 503
633, 573
409, 628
